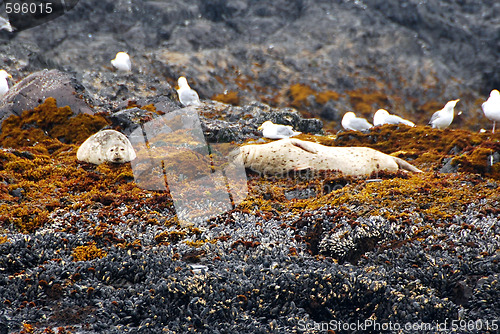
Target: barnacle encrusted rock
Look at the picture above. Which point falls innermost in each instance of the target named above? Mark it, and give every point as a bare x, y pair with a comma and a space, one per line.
87, 249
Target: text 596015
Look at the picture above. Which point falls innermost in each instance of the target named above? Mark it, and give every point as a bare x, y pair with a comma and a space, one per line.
28, 8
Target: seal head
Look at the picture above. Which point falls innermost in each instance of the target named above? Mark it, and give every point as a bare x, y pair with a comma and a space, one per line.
106, 146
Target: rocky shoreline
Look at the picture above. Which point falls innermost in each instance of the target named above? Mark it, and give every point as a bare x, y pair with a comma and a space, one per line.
320, 57
84, 249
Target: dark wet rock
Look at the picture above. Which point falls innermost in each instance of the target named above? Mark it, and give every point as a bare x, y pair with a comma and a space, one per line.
221, 123
127, 120
291, 117
455, 150
285, 117
35, 88
330, 112
413, 53
24, 154
492, 185
113, 90
310, 125
450, 23
18, 192
449, 166
240, 123
494, 158
404, 253
41, 14
300, 194
332, 186
217, 131
4, 328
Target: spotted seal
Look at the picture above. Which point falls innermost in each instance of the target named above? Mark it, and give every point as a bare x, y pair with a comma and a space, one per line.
285, 155
106, 146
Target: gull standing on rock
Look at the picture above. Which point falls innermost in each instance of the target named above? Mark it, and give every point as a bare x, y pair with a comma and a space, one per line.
5, 25
382, 116
187, 96
351, 122
4, 85
442, 119
277, 131
491, 107
122, 62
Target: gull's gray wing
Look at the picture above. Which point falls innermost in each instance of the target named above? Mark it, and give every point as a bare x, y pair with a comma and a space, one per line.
434, 116
395, 119
360, 124
284, 130
189, 97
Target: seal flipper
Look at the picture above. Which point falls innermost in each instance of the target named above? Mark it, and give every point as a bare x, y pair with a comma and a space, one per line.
406, 166
306, 146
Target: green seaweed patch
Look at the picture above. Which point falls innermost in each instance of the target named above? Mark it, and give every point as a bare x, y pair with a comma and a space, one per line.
48, 122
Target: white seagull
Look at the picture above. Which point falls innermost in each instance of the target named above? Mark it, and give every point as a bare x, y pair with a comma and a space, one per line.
122, 62
442, 119
187, 96
491, 107
382, 116
4, 85
5, 25
351, 122
277, 131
